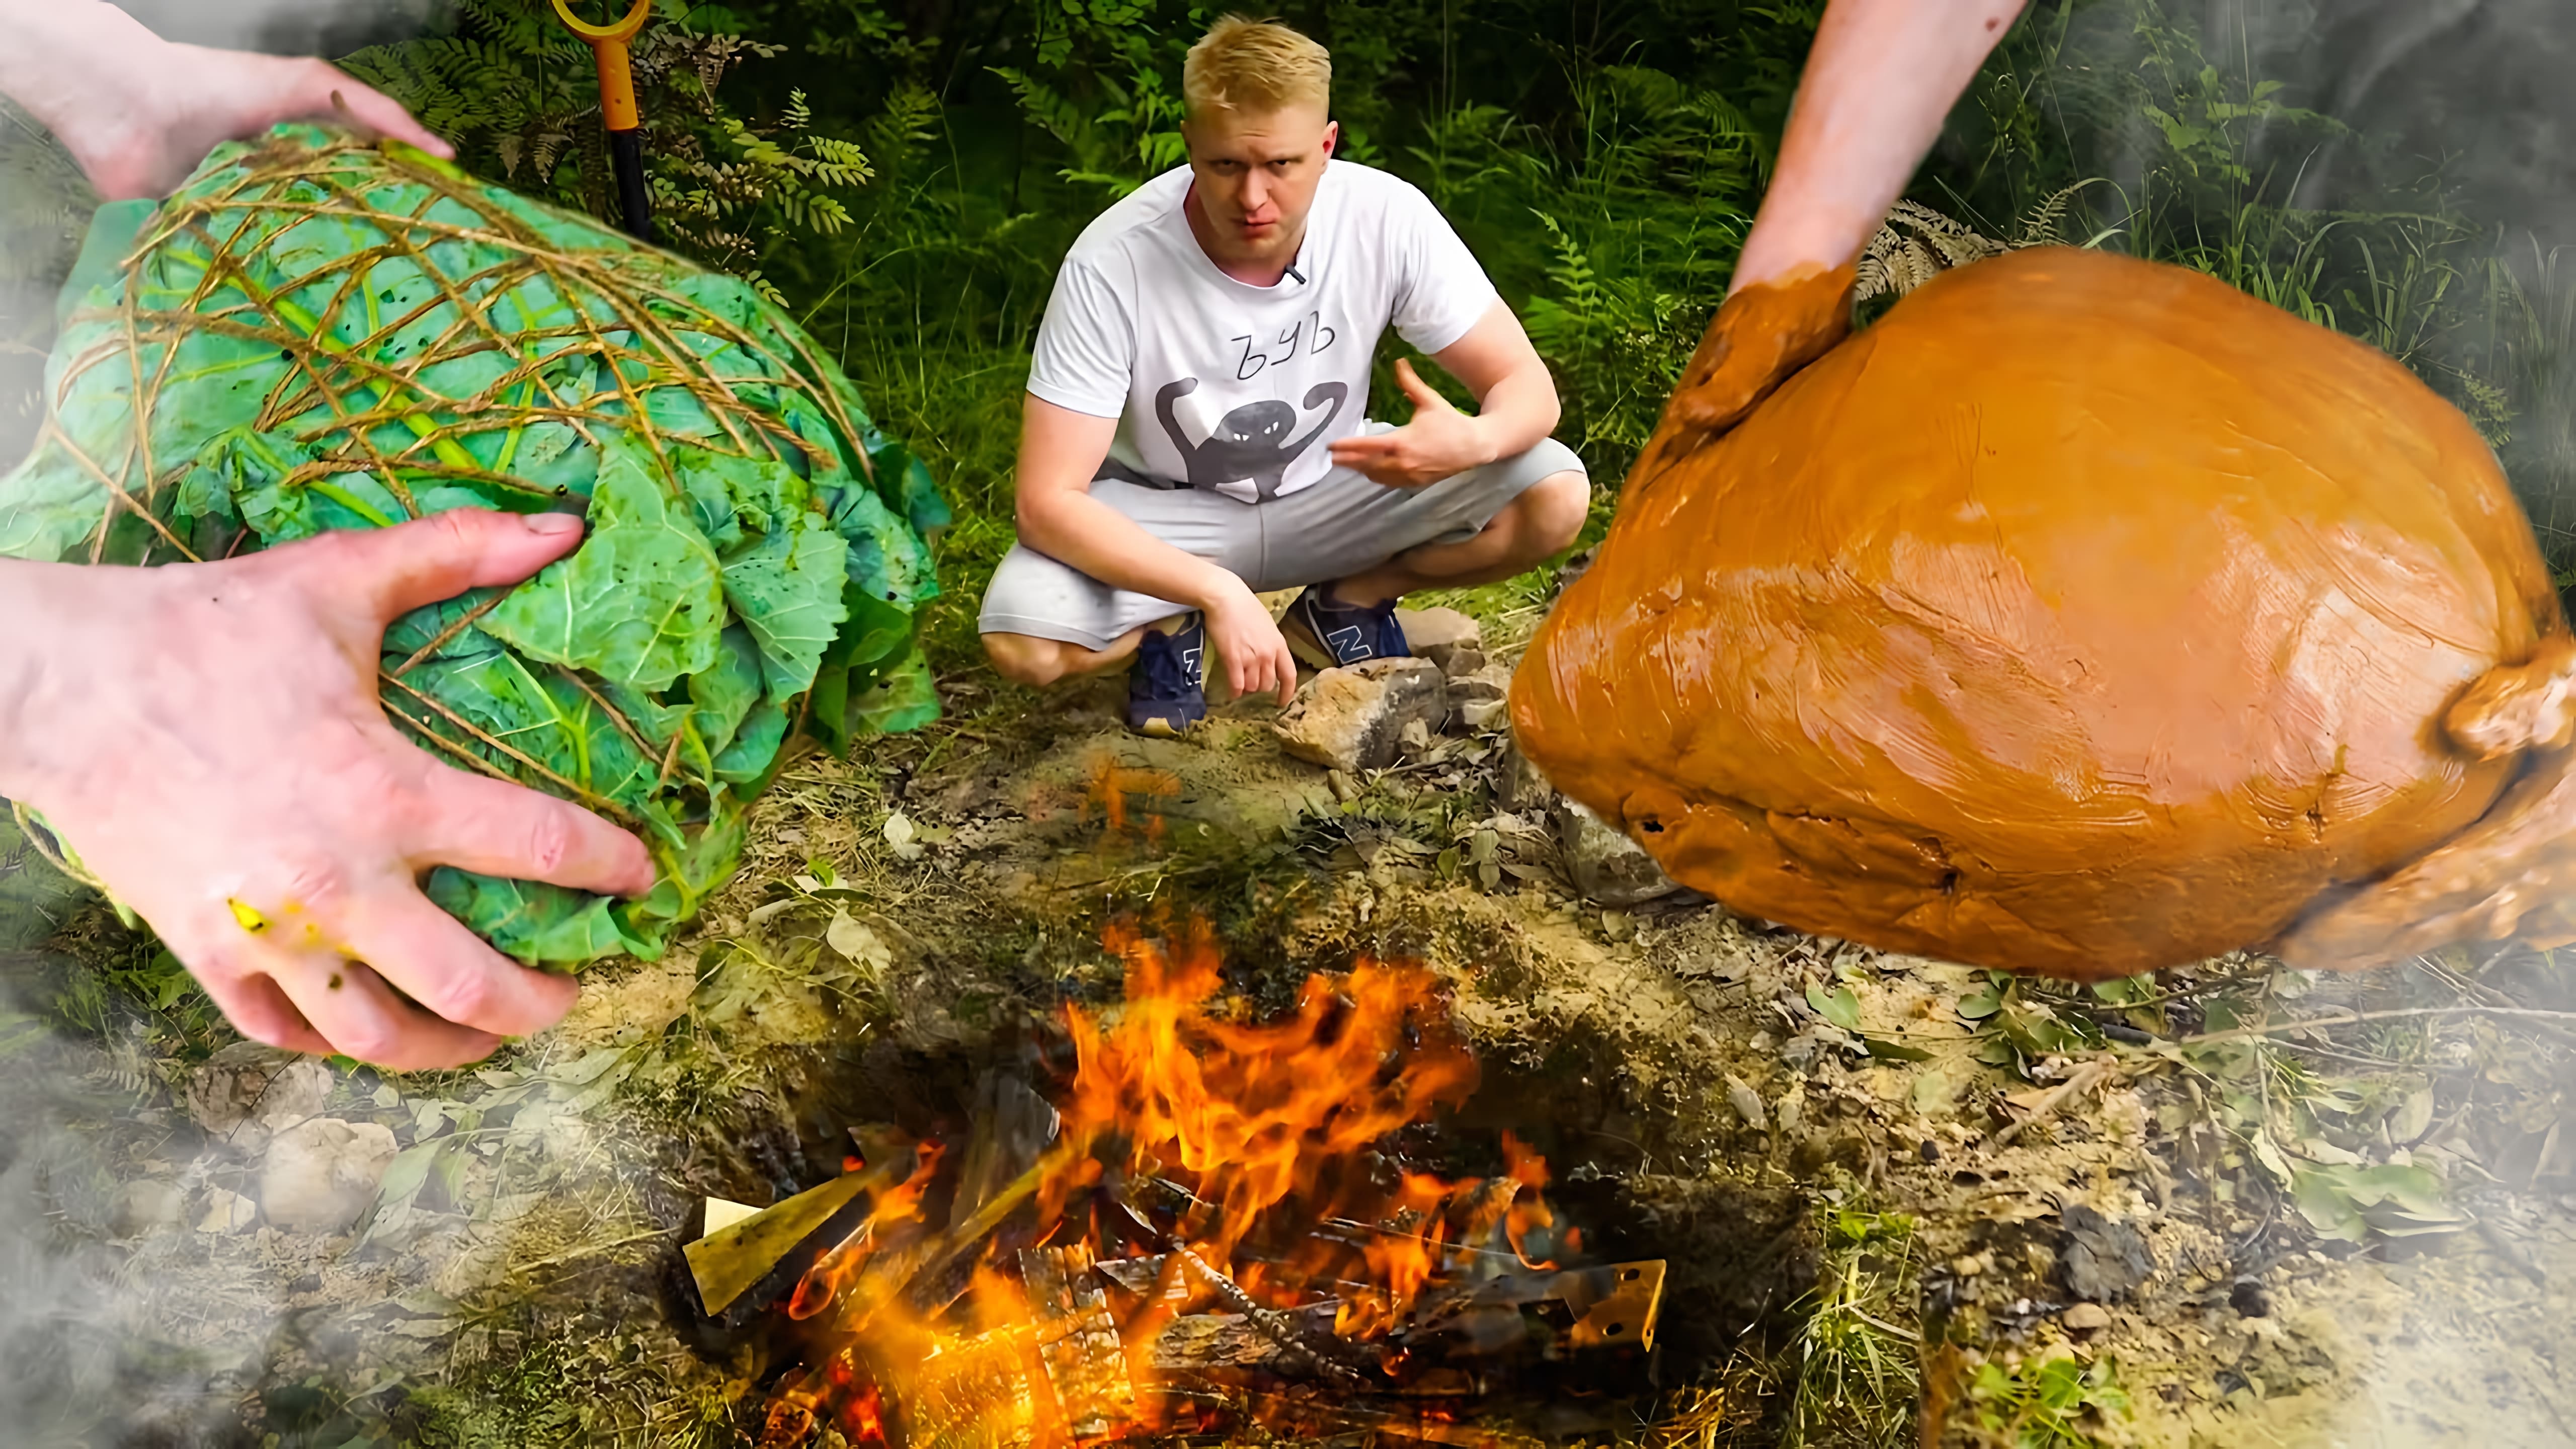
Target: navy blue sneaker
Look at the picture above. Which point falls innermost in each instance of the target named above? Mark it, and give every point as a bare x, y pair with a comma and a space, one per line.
1326, 634
1167, 685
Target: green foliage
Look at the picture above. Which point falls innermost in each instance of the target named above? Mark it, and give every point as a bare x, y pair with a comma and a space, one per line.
1857, 1376
2017, 1025
755, 542
517, 93
2055, 1403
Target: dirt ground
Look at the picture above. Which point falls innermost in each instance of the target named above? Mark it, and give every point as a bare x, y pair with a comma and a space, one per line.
1906, 1201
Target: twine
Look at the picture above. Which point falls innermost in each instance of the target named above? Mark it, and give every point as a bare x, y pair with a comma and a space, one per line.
614, 316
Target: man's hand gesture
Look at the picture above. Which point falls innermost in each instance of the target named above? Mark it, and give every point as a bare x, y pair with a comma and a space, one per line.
1439, 443
208, 737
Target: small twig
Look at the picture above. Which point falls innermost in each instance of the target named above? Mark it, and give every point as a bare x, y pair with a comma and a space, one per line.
2067, 1091
2356, 1018
446, 636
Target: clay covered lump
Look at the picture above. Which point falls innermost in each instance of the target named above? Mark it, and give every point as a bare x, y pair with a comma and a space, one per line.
2083, 616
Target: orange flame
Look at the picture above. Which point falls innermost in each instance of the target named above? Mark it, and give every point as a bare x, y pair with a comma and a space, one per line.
1246, 1154
1250, 1114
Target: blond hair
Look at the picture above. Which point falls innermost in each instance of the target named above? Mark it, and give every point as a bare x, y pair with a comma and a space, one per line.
1254, 67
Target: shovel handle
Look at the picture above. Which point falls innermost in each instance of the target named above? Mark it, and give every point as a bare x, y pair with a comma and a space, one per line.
617, 109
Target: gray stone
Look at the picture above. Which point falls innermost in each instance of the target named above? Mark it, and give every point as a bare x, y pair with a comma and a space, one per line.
1747, 1103
1606, 865
1353, 718
226, 1212
1519, 787
248, 1093
1491, 681
145, 1204
1483, 714
1443, 636
2103, 1259
320, 1175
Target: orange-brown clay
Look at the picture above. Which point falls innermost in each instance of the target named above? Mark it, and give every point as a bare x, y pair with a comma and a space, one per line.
2083, 616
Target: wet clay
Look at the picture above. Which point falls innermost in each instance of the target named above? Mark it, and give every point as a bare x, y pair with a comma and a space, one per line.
2083, 616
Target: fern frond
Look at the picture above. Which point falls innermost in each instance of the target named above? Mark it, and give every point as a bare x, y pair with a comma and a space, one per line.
2039, 224
1915, 245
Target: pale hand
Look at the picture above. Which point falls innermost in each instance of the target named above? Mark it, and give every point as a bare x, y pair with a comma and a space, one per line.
1440, 442
1248, 643
208, 737
139, 113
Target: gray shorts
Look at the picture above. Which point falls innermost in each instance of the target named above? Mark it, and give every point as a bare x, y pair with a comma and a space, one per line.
1333, 528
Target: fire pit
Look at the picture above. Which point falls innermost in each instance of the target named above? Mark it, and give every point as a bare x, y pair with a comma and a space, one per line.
1212, 1223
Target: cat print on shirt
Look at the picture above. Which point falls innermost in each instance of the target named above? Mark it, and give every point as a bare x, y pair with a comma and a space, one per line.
1248, 443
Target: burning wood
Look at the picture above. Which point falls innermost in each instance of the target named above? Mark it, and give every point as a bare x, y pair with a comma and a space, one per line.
1211, 1229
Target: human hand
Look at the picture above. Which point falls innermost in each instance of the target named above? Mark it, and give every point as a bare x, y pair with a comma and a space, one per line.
1440, 442
1248, 642
1759, 338
138, 112
208, 737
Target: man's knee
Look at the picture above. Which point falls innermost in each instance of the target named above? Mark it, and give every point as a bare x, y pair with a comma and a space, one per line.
1025, 659
1552, 512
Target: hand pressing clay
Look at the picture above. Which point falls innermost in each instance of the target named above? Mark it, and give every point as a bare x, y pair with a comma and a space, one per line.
2082, 616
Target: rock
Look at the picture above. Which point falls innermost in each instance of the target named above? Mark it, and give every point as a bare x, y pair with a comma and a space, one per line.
1519, 787
1483, 714
145, 1204
1491, 681
1747, 1103
1441, 635
226, 1212
2085, 1318
2102, 1259
248, 1093
1353, 718
321, 1174
1415, 740
2249, 1300
1606, 865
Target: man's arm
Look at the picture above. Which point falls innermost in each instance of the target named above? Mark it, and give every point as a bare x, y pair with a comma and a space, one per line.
1881, 79
1516, 405
139, 113
1060, 453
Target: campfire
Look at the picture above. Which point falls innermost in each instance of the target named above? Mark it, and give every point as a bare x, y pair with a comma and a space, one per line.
1210, 1223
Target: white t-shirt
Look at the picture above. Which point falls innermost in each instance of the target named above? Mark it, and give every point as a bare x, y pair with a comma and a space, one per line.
1221, 384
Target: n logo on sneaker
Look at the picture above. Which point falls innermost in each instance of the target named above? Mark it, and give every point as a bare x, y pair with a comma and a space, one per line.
1349, 645
1190, 666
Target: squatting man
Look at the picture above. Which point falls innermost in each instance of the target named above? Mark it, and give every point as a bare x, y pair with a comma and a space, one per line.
1196, 423
210, 732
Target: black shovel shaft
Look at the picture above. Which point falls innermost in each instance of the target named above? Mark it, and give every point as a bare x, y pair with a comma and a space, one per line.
634, 203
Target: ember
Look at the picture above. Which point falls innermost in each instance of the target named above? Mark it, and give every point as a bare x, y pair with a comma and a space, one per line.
1208, 1229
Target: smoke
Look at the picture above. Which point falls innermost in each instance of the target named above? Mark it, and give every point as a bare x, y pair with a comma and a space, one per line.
284, 27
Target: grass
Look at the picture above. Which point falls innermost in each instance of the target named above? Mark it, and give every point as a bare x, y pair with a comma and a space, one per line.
1857, 1375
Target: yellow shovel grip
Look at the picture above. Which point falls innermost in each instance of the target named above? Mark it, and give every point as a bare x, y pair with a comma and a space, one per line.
608, 46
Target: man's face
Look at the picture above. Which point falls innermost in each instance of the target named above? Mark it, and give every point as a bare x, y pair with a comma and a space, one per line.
1257, 175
